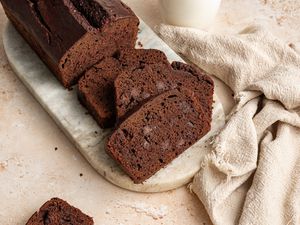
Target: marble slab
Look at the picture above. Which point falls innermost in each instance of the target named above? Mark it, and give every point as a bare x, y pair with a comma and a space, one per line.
83, 131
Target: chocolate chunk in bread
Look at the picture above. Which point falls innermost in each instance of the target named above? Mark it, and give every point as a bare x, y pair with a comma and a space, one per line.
72, 35
134, 87
59, 212
157, 133
96, 87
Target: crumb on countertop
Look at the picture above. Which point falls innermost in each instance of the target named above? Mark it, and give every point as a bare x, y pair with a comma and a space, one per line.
140, 44
2, 167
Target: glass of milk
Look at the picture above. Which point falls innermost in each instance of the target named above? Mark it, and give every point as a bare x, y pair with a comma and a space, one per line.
189, 13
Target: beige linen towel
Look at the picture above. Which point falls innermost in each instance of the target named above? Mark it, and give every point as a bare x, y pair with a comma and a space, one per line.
252, 175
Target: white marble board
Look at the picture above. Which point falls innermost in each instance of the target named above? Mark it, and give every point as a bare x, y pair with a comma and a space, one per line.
83, 131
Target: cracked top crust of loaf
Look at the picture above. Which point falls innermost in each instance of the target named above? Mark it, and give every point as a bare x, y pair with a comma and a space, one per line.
72, 35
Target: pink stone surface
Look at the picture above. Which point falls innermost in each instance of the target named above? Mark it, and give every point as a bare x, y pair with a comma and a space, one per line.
32, 170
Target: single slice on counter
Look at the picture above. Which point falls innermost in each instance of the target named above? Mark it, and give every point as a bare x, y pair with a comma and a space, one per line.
157, 133
59, 212
72, 35
96, 87
132, 88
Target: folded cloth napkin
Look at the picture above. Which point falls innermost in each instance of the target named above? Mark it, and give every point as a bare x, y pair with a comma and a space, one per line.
252, 175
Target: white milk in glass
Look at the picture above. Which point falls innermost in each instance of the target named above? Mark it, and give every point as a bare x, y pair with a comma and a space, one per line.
190, 13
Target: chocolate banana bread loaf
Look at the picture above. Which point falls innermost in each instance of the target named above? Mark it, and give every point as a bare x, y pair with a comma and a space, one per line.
59, 212
72, 35
96, 87
134, 87
157, 133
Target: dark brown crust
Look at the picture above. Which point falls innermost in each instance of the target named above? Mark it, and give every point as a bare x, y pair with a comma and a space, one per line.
96, 87
157, 133
47, 25
59, 212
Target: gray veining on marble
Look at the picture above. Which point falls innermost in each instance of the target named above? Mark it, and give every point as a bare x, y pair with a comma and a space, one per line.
83, 131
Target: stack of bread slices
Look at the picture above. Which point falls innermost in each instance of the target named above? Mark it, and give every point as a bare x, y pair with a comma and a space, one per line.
158, 109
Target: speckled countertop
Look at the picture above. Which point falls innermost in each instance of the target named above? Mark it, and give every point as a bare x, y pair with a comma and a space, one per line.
38, 162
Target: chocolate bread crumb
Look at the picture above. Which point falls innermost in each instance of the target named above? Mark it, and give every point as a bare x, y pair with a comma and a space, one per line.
205, 83
157, 133
132, 88
140, 44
